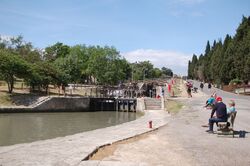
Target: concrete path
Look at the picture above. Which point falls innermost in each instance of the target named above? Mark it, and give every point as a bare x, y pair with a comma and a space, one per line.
184, 142
71, 150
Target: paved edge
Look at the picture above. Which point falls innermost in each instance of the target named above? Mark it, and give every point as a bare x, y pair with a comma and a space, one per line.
87, 143
108, 144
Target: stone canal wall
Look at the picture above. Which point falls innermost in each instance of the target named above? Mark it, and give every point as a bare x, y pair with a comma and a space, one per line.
140, 106
64, 103
79, 104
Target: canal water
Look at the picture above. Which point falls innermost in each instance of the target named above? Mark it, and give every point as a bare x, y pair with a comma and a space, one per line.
29, 127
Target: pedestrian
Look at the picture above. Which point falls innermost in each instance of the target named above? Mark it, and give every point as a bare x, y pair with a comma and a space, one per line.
231, 108
221, 114
209, 86
189, 92
162, 91
210, 102
201, 86
214, 94
231, 112
189, 86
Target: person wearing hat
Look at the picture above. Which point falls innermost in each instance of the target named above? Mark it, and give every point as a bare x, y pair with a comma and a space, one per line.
221, 114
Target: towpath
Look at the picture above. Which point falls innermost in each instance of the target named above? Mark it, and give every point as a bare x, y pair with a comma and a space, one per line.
184, 142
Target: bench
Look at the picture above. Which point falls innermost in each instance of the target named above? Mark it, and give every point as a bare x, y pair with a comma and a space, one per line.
224, 127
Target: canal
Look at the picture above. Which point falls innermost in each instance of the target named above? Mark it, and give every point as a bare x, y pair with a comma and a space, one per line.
28, 127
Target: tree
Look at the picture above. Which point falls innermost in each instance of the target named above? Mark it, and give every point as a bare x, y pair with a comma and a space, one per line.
11, 67
44, 74
142, 70
225, 61
105, 64
166, 71
79, 55
208, 48
157, 73
55, 51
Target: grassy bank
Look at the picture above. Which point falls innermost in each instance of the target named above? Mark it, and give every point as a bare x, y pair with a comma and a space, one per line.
173, 106
5, 99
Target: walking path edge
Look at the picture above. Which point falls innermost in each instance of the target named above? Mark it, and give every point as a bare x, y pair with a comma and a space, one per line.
73, 149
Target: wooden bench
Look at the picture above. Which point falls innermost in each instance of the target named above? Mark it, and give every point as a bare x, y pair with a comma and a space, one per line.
226, 128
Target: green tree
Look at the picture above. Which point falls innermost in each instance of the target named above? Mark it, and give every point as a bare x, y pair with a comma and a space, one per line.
225, 61
11, 67
55, 51
166, 71
157, 73
142, 70
105, 64
208, 48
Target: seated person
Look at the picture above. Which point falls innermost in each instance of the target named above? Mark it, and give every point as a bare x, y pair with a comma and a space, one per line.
221, 114
231, 112
210, 101
231, 108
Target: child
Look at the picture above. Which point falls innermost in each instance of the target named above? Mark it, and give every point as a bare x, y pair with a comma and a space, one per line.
231, 112
210, 102
214, 94
231, 108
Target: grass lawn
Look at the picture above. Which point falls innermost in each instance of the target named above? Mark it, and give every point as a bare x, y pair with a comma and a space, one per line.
173, 106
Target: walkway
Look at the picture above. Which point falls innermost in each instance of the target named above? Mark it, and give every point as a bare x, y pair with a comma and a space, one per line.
184, 142
71, 150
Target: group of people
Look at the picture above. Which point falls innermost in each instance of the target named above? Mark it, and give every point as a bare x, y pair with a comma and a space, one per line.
209, 86
220, 109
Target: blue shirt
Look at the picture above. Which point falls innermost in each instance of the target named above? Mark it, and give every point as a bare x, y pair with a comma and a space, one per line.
230, 110
211, 100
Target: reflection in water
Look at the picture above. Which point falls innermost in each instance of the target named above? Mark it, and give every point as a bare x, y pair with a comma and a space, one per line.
28, 127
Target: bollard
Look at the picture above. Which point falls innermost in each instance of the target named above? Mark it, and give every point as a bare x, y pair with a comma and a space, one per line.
150, 124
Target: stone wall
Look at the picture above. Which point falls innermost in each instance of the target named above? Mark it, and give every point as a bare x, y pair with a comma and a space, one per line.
140, 106
64, 104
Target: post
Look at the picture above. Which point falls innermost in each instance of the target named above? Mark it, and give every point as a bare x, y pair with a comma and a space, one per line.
162, 103
150, 124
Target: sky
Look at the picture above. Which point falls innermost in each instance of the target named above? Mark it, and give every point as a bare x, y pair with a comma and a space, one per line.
165, 32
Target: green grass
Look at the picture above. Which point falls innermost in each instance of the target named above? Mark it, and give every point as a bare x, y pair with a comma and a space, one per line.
173, 106
176, 89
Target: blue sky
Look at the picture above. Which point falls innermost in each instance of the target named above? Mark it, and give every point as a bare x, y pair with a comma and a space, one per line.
166, 32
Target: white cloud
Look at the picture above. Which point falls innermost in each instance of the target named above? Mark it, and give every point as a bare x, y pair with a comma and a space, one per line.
176, 61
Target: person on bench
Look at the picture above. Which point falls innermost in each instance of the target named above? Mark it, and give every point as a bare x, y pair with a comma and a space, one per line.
231, 112
221, 114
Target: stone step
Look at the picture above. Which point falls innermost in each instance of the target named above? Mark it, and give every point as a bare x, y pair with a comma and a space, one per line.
152, 104
40, 101
152, 101
153, 108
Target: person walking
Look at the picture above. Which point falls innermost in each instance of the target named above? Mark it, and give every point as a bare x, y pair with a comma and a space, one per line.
201, 86
209, 86
189, 86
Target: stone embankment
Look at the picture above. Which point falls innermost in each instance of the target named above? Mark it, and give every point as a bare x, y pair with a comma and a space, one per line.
54, 103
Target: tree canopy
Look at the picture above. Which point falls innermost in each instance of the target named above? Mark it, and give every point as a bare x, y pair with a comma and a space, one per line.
224, 60
60, 64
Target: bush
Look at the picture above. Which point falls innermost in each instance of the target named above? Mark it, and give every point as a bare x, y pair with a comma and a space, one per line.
236, 81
